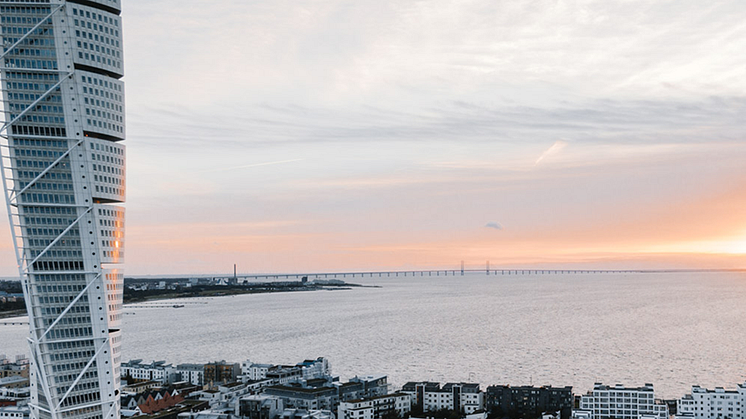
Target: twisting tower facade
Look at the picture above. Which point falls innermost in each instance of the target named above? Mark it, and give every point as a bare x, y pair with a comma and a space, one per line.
63, 176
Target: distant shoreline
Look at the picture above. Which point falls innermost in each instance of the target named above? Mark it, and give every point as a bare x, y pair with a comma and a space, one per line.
134, 297
223, 291
8, 314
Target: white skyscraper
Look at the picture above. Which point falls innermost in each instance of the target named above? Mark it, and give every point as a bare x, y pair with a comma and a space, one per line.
63, 169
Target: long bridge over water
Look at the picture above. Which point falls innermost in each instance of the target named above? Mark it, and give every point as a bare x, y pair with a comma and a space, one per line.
248, 278
437, 272
412, 273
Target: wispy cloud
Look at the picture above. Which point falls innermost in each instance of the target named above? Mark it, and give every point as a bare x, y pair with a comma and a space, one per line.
407, 118
556, 148
495, 225
249, 125
246, 166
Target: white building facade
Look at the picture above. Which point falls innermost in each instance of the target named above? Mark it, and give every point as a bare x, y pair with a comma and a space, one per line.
619, 402
63, 167
252, 371
191, 373
316, 368
430, 397
719, 403
155, 371
375, 407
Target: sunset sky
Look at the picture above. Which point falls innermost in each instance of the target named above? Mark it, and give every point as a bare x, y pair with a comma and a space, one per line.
296, 136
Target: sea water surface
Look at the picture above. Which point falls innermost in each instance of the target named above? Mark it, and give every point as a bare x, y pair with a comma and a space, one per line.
670, 329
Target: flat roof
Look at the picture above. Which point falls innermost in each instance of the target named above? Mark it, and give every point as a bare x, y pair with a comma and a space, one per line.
367, 399
302, 389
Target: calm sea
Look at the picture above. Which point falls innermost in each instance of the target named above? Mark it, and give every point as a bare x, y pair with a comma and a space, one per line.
669, 329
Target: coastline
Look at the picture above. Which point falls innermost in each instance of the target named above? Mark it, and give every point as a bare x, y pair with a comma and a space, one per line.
223, 291
133, 297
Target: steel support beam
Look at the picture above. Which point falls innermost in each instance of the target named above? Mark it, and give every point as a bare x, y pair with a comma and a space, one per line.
82, 373
69, 306
36, 102
32, 30
45, 171
58, 238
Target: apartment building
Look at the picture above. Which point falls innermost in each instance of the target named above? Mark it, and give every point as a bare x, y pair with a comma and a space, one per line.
619, 402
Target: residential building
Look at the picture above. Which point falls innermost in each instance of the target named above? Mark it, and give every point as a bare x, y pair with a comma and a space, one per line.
362, 387
63, 170
719, 403
14, 381
378, 407
254, 387
14, 412
296, 397
251, 371
284, 374
187, 406
140, 387
350, 391
224, 395
430, 397
306, 414
528, 401
19, 367
619, 402
205, 414
260, 406
15, 395
154, 371
315, 368
192, 373
151, 401
685, 407
221, 372
310, 369
373, 385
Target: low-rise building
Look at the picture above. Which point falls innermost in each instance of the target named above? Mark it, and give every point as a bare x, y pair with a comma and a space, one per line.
192, 373
350, 391
310, 369
19, 367
221, 372
528, 401
151, 401
223, 395
306, 414
373, 385
430, 397
14, 381
619, 402
186, 406
251, 371
296, 397
205, 414
260, 406
719, 403
284, 374
315, 368
155, 371
140, 387
15, 412
15, 394
378, 407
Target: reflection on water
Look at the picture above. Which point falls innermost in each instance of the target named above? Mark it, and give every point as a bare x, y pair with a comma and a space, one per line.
672, 329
